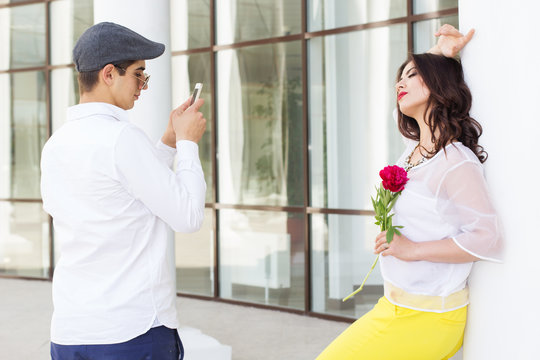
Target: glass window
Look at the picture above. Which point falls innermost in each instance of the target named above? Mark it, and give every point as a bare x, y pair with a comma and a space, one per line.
22, 36
64, 93
190, 24
341, 256
24, 131
351, 99
6, 138
423, 32
12, 1
260, 125
330, 14
424, 6
187, 70
262, 257
243, 20
69, 19
24, 234
195, 259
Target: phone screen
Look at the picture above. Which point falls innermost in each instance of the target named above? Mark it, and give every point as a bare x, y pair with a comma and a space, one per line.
196, 93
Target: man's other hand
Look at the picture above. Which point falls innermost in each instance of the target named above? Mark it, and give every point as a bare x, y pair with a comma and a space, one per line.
188, 122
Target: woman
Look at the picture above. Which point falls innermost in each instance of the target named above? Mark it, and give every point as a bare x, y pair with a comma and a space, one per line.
447, 217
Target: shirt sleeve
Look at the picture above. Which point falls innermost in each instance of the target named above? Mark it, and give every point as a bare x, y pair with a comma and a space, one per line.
165, 153
463, 201
175, 197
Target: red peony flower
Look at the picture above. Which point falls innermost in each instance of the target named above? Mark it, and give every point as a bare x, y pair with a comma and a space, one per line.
393, 178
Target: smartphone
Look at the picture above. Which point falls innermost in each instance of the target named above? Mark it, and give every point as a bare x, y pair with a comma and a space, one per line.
196, 93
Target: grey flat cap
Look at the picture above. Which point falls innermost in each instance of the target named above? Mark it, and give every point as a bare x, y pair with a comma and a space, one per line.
110, 43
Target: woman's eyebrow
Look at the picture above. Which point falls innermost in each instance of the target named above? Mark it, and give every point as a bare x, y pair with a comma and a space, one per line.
408, 71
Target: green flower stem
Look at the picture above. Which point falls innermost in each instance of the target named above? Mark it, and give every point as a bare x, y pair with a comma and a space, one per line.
363, 282
384, 202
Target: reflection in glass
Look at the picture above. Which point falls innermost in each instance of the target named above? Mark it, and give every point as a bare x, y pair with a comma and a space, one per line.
260, 125
423, 32
22, 36
24, 239
64, 93
195, 259
190, 24
351, 100
69, 19
24, 132
424, 6
330, 14
243, 20
187, 70
341, 256
262, 257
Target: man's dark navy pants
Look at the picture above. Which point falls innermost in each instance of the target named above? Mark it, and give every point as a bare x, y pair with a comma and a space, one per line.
159, 343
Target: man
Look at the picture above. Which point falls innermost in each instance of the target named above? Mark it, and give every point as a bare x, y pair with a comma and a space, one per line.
112, 195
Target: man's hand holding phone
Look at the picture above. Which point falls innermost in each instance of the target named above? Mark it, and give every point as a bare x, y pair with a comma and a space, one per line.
187, 121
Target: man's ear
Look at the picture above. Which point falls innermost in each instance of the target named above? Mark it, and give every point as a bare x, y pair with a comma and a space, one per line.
107, 74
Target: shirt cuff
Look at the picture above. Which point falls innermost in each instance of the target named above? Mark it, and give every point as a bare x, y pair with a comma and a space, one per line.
162, 146
187, 150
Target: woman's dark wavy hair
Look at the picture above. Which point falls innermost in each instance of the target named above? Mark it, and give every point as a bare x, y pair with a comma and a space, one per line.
448, 105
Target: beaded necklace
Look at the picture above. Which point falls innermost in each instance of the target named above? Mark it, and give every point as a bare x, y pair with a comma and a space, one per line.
408, 166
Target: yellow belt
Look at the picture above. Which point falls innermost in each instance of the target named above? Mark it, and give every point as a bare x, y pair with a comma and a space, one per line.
426, 302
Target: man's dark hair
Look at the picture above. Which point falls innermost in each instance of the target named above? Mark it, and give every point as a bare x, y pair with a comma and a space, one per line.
88, 80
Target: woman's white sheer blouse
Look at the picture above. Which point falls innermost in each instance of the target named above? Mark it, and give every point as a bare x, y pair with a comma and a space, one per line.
454, 180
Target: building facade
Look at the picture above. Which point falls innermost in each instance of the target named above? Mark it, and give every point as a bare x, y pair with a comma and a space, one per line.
299, 99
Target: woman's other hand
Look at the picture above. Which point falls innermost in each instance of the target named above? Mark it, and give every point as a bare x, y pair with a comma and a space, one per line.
450, 41
400, 247
443, 251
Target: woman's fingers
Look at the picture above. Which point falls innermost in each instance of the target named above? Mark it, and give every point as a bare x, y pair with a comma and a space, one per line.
469, 36
380, 243
448, 30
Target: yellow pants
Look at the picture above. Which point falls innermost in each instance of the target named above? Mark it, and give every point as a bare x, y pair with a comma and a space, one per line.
390, 332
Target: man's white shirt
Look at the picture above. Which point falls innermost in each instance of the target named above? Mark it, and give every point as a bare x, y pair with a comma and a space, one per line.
112, 195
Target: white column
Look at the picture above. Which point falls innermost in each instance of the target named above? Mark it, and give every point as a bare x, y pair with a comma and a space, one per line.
150, 19
501, 68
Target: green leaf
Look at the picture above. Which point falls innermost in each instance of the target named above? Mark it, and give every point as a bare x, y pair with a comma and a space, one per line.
397, 231
392, 203
389, 234
386, 197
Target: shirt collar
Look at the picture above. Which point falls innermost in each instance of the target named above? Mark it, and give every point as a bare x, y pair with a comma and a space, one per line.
96, 108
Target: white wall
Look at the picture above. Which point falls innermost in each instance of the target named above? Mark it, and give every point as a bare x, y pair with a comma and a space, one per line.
503, 71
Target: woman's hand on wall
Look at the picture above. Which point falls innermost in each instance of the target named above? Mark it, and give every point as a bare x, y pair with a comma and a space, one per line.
450, 41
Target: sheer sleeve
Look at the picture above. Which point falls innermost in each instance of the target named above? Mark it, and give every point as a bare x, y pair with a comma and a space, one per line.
463, 201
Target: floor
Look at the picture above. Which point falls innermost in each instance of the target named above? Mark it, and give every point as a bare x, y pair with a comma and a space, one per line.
253, 334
